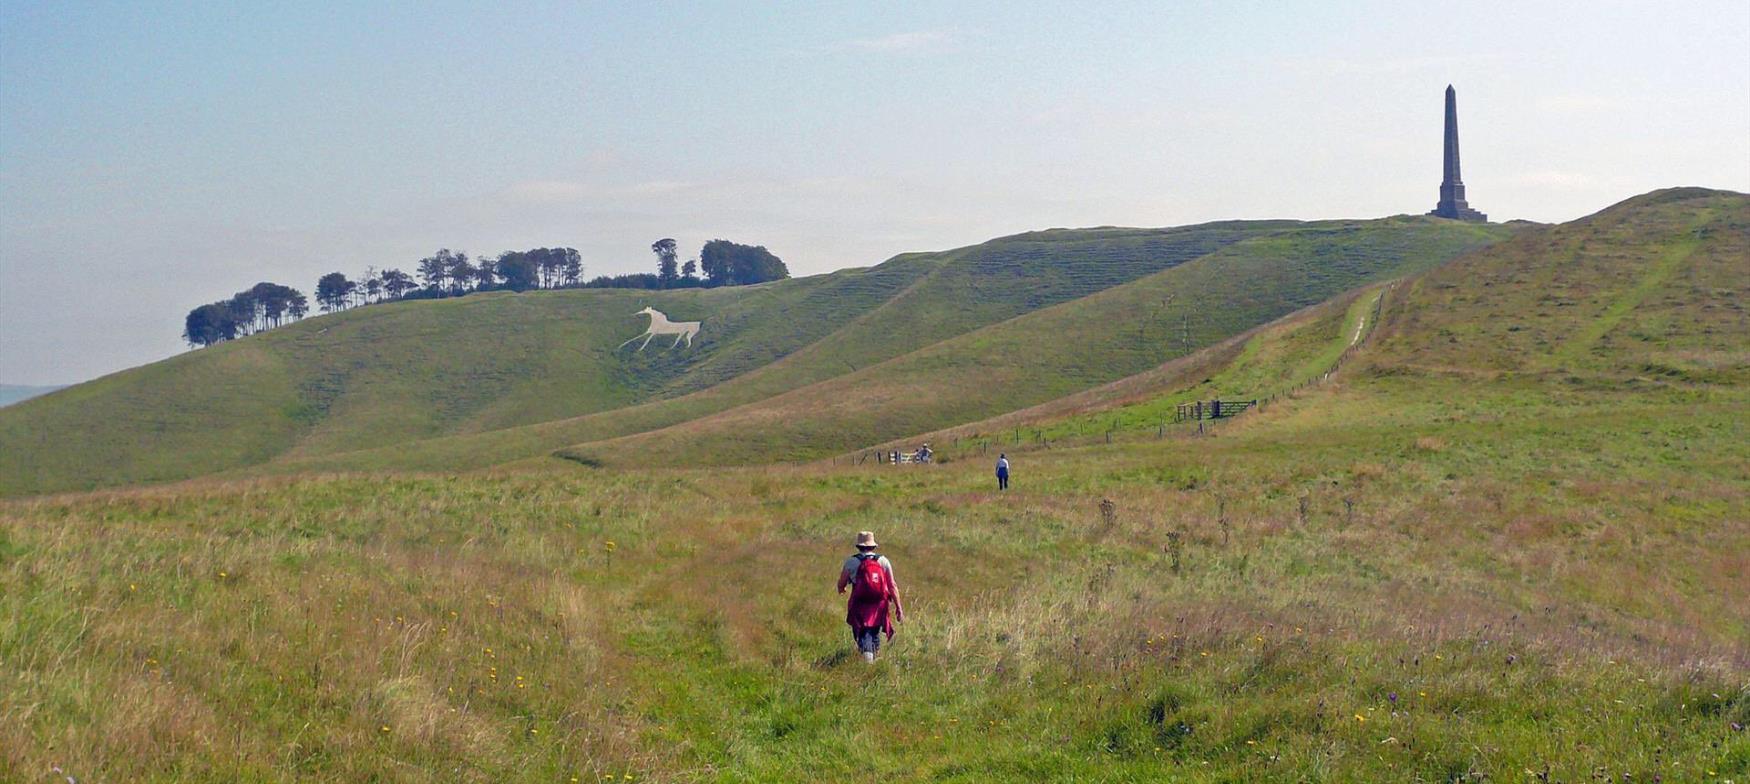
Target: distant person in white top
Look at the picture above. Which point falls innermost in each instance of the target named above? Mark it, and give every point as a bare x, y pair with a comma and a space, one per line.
1002, 472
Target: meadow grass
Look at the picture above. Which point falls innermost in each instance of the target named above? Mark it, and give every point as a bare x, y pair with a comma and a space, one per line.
1558, 617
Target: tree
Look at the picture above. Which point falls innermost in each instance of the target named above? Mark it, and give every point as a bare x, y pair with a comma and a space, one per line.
690, 270
208, 324
461, 273
665, 260
333, 290
243, 312
373, 287
519, 270
435, 269
485, 273
730, 264
396, 283
550, 261
573, 267
267, 304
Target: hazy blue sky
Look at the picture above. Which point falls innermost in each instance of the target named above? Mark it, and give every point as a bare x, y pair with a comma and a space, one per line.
154, 158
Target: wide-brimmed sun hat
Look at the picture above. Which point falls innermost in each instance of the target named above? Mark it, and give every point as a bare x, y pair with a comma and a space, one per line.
866, 539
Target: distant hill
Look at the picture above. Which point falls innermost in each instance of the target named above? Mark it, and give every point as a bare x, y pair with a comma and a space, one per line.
1642, 303
13, 393
1651, 290
490, 378
1052, 352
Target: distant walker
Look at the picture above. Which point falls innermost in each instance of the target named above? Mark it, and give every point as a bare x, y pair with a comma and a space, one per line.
660, 325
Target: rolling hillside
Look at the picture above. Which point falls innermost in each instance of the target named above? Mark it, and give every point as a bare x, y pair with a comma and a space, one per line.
1059, 350
403, 371
1646, 298
1505, 542
490, 378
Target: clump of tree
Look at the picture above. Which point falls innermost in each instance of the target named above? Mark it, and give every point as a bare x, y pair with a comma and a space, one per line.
670, 274
541, 268
260, 307
724, 263
727, 263
334, 292
451, 273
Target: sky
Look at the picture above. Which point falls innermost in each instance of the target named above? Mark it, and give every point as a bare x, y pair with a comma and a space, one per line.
155, 157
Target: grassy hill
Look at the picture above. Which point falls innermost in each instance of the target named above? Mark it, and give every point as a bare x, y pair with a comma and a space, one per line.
486, 379
1278, 358
966, 288
1505, 542
399, 372
1055, 351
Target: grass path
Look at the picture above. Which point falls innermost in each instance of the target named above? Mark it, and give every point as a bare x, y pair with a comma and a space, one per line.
1656, 277
1275, 361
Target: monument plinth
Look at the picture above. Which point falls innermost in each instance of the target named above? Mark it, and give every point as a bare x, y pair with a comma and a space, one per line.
1452, 203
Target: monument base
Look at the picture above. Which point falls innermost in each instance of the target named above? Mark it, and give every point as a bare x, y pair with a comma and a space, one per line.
1459, 212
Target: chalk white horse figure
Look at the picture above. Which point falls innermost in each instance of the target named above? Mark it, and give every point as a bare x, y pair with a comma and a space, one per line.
660, 325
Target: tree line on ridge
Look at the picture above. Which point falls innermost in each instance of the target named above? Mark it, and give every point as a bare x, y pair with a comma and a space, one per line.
450, 273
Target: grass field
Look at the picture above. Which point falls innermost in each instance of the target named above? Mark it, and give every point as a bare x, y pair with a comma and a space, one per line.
1505, 542
1527, 614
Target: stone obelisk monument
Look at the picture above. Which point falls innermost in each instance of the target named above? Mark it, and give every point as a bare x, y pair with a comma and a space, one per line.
1452, 203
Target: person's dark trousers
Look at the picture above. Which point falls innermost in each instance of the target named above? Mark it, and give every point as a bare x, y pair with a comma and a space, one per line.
1002, 480
868, 640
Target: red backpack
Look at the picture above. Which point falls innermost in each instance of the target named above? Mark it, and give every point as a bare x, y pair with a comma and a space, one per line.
871, 583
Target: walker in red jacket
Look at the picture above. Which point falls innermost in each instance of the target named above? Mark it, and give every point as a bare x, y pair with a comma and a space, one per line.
873, 591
